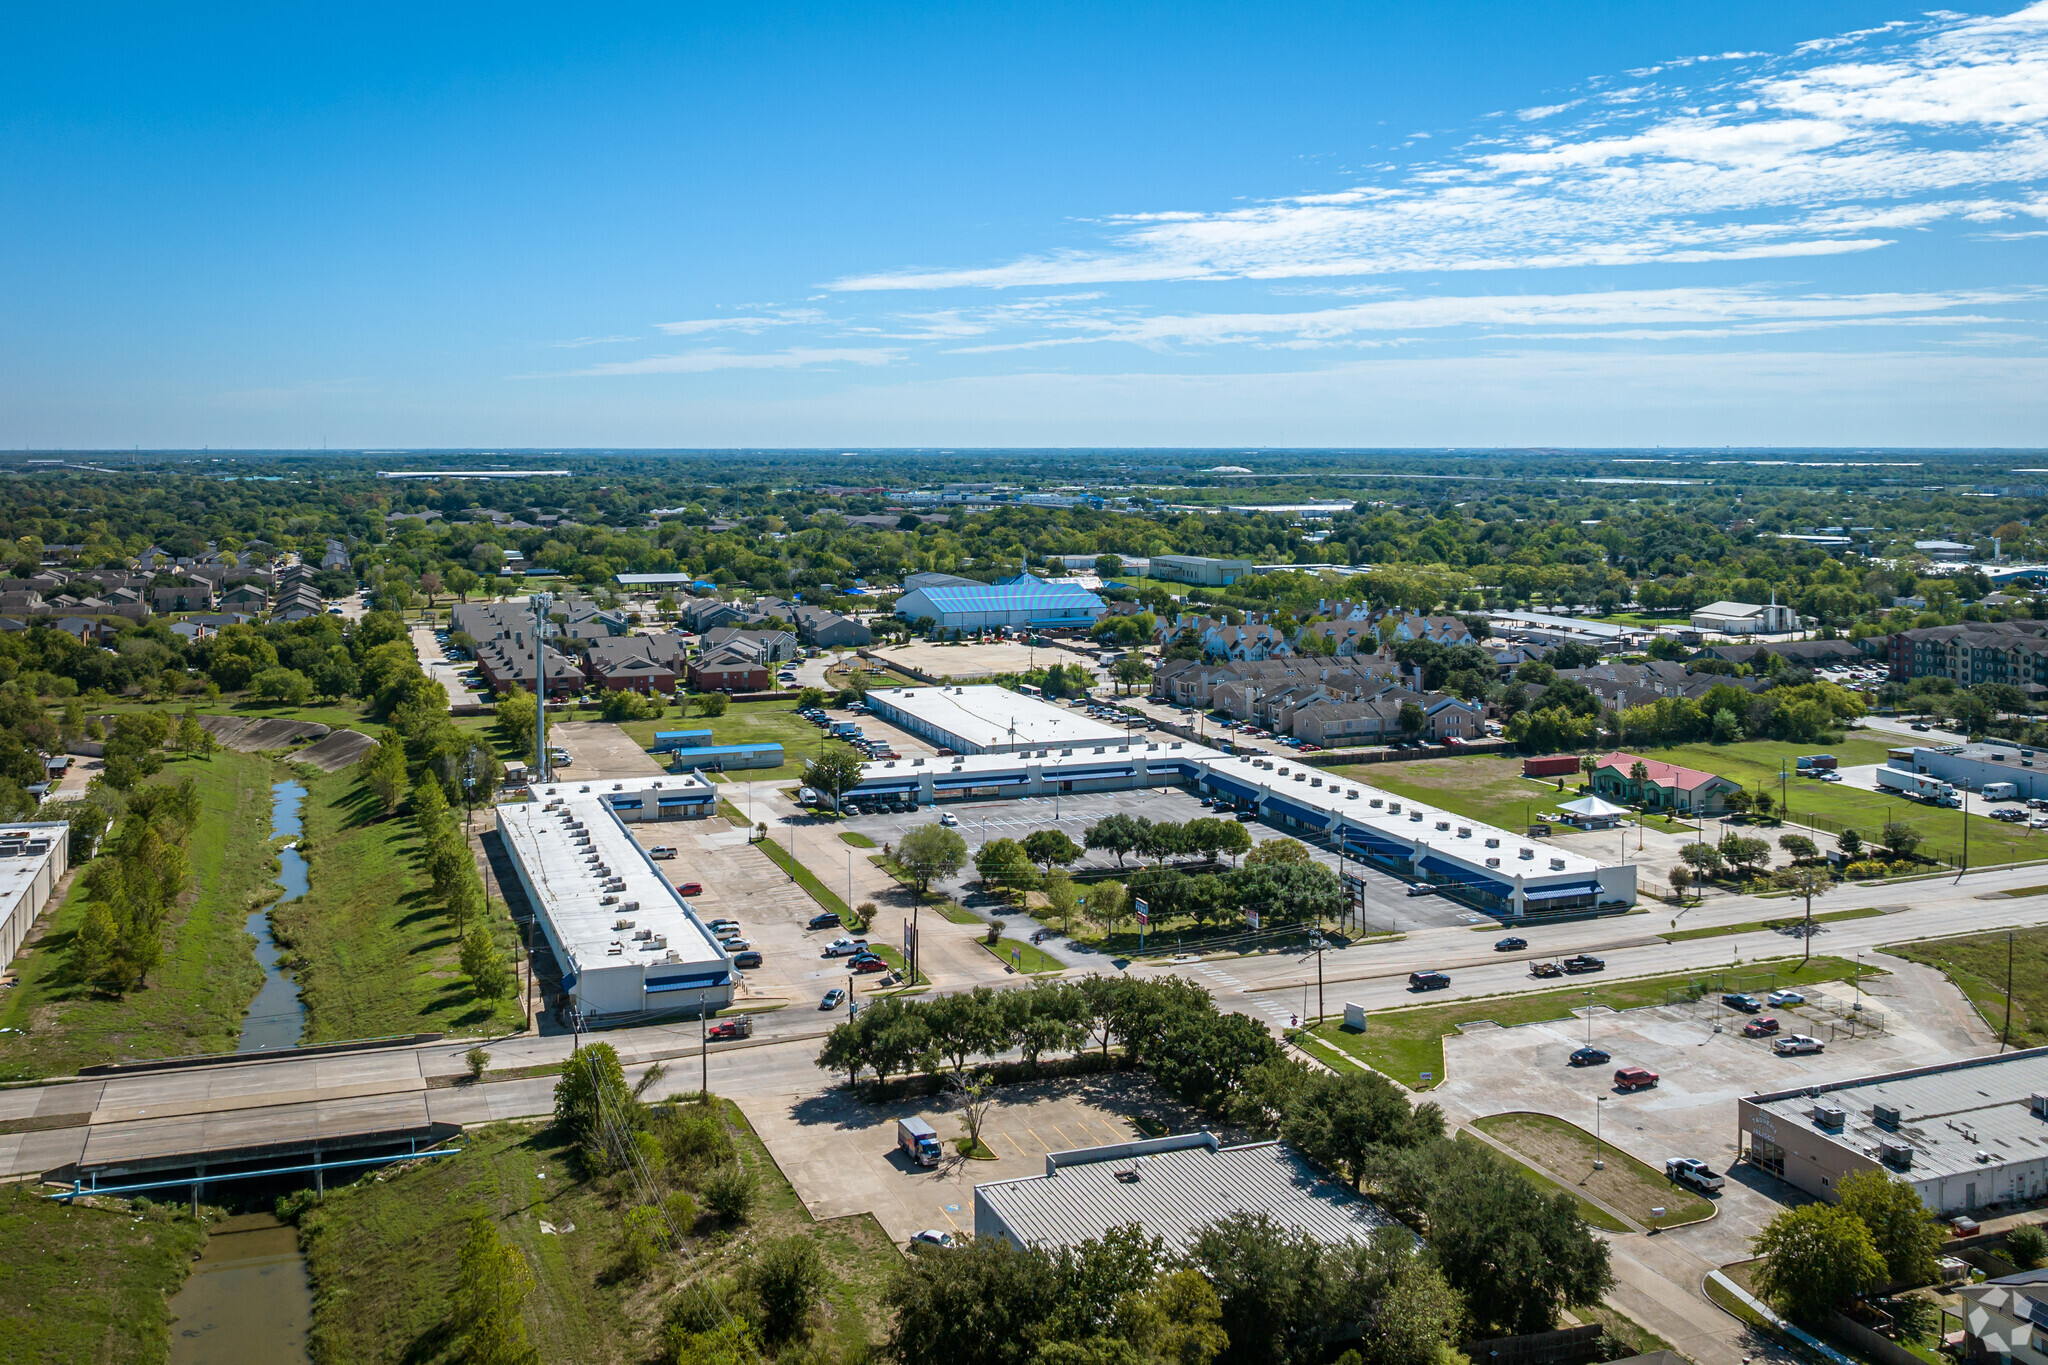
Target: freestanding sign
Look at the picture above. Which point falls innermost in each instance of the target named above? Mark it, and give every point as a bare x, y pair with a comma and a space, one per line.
1144, 919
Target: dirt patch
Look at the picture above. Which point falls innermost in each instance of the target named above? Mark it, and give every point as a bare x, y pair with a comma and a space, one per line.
1567, 1152
253, 736
337, 751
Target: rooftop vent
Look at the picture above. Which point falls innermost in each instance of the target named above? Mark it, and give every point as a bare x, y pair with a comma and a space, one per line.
1884, 1115
1829, 1116
2037, 1104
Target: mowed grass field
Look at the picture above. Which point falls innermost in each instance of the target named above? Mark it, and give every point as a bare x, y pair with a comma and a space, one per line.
83, 1284
747, 722
383, 1268
1484, 786
373, 953
1404, 1043
1977, 965
194, 1001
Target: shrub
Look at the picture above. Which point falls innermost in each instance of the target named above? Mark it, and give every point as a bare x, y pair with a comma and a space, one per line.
2027, 1247
729, 1191
786, 1278
681, 1210
477, 1060
1864, 868
640, 1243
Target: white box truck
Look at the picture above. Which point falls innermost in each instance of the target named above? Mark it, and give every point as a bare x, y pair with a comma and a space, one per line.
1917, 785
2001, 791
918, 1140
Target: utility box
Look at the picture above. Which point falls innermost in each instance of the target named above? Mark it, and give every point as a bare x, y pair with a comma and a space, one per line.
1354, 1017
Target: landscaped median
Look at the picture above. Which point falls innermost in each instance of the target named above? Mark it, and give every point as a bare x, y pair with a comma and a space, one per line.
1757, 925
1566, 1153
1407, 1042
1029, 959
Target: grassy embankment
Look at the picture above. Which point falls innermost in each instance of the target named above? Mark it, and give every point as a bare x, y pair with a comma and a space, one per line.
1030, 959
374, 954
90, 1284
195, 999
383, 1267
1976, 963
1404, 1043
1567, 1153
747, 722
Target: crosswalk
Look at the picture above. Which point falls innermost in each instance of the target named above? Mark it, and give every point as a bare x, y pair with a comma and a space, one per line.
1221, 981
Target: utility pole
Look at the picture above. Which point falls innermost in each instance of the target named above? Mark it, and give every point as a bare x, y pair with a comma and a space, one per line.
540, 601
704, 1046
2005, 1034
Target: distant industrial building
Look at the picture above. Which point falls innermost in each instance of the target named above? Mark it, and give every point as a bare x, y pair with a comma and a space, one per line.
1964, 1134
626, 943
985, 719
1945, 551
1199, 570
721, 757
1020, 602
1746, 618
1971, 766
1171, 1188
33, 859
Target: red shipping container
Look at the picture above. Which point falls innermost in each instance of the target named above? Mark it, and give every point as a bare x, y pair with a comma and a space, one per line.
1550, 765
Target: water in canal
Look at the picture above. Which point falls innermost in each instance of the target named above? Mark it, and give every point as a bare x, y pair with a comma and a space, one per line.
277, 1018
247, 1301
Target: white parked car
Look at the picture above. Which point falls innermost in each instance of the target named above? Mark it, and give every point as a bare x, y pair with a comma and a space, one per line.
948, 819
1782, 998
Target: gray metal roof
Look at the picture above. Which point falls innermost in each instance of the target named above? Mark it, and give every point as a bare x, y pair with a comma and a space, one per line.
1947, 1114
1177, 1192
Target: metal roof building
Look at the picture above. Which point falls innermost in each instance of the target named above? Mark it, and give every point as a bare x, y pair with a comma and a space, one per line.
1964, 1134
986, 719
627, 943
1021, 601
33, 859
1171, 1188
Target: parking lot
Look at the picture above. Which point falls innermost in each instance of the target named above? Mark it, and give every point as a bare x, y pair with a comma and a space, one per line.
841, 1156
1388, 907
965, 662
1691, 1110
599, 749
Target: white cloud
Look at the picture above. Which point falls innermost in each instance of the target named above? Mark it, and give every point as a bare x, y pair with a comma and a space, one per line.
702, 362
747, 323
1889, 129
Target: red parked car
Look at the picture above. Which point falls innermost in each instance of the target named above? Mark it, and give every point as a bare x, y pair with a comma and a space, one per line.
690, 889
868, 964
1634, 1078
1759, 1028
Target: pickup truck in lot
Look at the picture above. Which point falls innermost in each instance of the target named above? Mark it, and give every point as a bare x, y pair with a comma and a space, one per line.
1794, 1044
1690, 1170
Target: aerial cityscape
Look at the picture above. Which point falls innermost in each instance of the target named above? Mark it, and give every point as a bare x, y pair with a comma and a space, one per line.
966, 686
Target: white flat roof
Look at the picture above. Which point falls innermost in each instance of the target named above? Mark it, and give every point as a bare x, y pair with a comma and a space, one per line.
986, 714
18, 872
570, 880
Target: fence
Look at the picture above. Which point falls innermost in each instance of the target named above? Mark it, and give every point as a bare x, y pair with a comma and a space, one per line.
1566, 1346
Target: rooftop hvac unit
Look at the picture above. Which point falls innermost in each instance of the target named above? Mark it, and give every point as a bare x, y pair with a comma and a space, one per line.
1464, 831
1416, 816
661, 940
1393, 807
619, 924
609, 900
1896, 1154
643, 935
1443, 824
1884, 1115
1557, 864
1983, 1158
1527, 854
1493, 843
1493, 862
2037, 1104
1377, 803
1829, 1116
1351, 794
630, 905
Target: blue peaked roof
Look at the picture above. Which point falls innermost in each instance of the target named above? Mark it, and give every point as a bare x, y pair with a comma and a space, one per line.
1028, 595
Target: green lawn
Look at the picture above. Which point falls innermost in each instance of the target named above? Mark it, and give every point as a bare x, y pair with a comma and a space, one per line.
1031, 959
1624, 1183
1588, 1210
747, 722
382, 1253
805, 878
856, 838
1404, 1043
374, 955
1977, 965
1481, 787
81, 1284
194, 1001
1751, 926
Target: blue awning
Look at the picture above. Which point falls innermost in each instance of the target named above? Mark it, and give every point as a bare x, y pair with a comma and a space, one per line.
626, 803
1573, 891
1467, 876
658, 984
894, 784
1230, 786
692, 799
962, 782
1087, 774
1308, 815
1374, 843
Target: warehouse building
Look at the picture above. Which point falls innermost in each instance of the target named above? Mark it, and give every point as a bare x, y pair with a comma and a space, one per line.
986, 719
1970, 767
1493, 870
722, 757
33, 859
1965, 1135
628, 946
1014, 603
1199, 570
1171, 1188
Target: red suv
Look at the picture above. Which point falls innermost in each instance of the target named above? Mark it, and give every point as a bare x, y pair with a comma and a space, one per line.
1634, 1078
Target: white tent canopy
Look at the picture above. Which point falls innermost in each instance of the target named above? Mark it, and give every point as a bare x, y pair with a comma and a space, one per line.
1592, 807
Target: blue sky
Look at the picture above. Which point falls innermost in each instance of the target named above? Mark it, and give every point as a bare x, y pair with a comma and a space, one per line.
1588, 224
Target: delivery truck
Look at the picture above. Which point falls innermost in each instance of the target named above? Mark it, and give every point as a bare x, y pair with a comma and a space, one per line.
918, 1141
1817, 763
2001, 791
1920, 786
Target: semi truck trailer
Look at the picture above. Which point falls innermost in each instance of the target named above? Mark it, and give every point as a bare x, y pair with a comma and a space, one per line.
1917, 785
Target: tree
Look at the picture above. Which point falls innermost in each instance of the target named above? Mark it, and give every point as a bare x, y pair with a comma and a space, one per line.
930, 852
1901, 1228
981, 1304
1703, 859
834, 771
492, 1280
516, 716
1814, 1257
484, 965
711, 704
786, 1279
974, 1097
1807, 880
1901, 838
194, 739
1850, 842
594, 1106
1799, 847
1174, 1321
810, 698
1047, 847
1345, 1121
1413, 719
1003, 863
1107, 905
1743, 853
384, 770
2027, 1247
1517, 1255
1273, 1285
1681, 878
1131, 671
1117, 834
1061, 899
1280, 852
